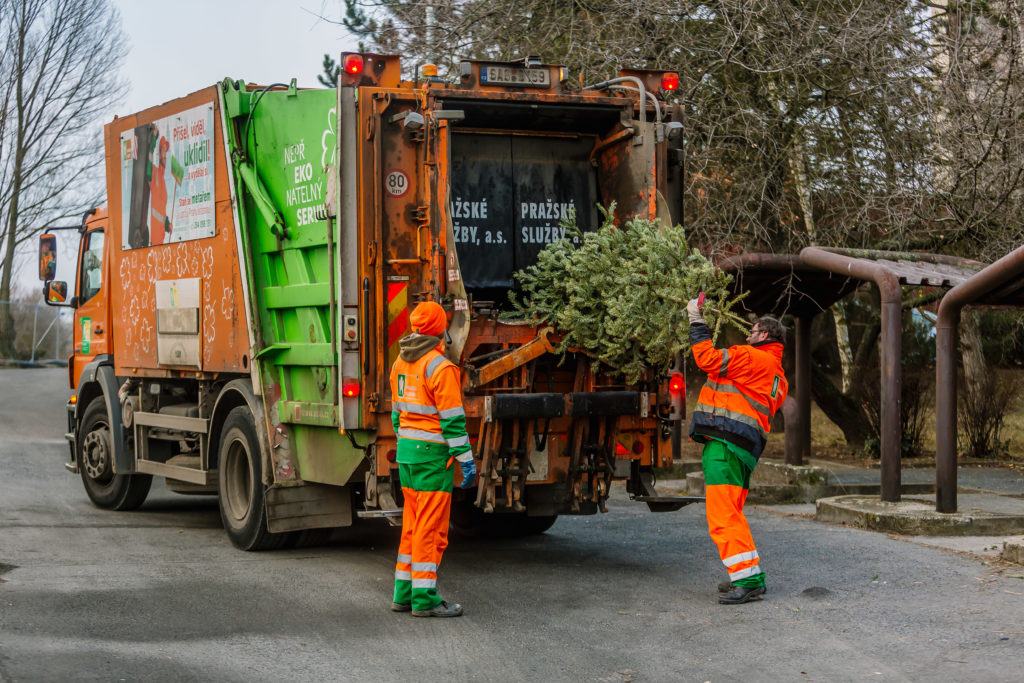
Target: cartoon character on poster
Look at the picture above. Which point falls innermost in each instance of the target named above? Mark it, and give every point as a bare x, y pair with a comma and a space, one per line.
167, 180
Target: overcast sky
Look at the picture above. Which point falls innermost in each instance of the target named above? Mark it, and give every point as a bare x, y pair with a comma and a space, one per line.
182, 46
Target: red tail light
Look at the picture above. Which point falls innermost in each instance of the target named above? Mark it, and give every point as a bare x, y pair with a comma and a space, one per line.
350, 388
670, 81
391, 455
638, 447
354, 64
676, 383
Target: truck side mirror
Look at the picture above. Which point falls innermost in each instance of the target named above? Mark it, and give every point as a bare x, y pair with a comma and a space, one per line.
48, 258
56, 291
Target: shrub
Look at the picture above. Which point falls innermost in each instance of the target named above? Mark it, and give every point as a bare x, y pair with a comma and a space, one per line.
983, 408
917, 397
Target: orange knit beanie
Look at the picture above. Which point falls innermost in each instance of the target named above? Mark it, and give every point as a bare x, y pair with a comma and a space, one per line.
428, 318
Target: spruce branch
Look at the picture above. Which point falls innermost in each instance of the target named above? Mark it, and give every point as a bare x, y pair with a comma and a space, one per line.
619, 294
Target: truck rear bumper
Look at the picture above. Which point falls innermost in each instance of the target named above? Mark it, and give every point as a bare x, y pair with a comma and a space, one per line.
578, 404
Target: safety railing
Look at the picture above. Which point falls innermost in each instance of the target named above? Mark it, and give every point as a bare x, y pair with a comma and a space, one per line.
42, 334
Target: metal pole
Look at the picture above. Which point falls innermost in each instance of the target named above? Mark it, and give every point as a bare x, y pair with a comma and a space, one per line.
945, 406
798, 417
35, 316
43, 335
889, 288
891, 399
56, 347
803, 392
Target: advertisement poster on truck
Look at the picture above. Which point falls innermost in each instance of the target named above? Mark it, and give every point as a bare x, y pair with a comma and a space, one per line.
167, 179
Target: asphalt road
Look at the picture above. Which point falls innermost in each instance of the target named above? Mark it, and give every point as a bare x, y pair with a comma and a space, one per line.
160, 594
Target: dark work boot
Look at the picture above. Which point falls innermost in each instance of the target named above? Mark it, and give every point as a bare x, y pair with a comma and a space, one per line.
442, 609
400, 607
741, 594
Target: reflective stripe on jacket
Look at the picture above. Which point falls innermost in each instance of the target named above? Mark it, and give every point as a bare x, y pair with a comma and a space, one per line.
746, 386
426, 407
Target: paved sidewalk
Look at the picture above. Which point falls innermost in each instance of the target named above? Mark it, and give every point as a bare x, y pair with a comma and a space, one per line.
990, 502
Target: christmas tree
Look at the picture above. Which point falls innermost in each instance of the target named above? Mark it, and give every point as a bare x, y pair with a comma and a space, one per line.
619, 294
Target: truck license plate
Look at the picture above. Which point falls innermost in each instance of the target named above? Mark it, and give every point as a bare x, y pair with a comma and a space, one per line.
510, 75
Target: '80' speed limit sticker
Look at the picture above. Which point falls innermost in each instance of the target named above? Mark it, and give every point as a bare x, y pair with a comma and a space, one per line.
396, 183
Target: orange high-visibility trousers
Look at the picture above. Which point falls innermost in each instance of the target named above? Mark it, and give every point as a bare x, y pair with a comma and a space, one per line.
427, 489
727, 482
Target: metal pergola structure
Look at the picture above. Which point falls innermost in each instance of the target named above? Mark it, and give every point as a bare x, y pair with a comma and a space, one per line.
1000, 284
781, 284
809, 283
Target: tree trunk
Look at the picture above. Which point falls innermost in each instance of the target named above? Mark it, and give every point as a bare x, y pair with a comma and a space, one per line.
843, 344
844, 411
7, 331
975, 372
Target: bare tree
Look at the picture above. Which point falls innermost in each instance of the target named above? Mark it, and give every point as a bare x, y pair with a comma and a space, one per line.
886, 125
59, 62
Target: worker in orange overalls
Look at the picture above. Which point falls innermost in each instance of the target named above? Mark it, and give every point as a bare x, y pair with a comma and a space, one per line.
159, 222
746, 386
430, 422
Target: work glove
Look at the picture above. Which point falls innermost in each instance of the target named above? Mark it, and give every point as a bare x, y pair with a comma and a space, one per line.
693, 310
468, 466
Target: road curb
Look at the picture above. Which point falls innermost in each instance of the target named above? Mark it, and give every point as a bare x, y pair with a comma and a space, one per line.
915, 516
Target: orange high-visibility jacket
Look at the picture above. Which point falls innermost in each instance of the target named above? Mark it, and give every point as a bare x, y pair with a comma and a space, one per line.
427, 411
746, 386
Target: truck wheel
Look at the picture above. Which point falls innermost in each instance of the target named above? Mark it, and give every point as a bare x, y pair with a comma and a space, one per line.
240, 476
531, 526
96, 464
467, 520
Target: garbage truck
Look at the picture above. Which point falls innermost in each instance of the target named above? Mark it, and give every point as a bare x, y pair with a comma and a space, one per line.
239, 300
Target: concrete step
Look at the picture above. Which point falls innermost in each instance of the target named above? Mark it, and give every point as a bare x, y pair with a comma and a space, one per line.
977, 515
1013, 552
809, 486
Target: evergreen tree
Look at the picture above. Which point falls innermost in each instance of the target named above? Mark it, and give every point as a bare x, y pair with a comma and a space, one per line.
619, 294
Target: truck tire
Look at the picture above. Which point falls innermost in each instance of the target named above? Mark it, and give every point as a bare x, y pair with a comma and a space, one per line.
532, 526
242, 499
95, 456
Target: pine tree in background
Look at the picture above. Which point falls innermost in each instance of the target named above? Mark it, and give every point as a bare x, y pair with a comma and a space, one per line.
620, 294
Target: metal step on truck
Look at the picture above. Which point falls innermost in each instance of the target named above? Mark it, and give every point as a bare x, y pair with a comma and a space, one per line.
240, 299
